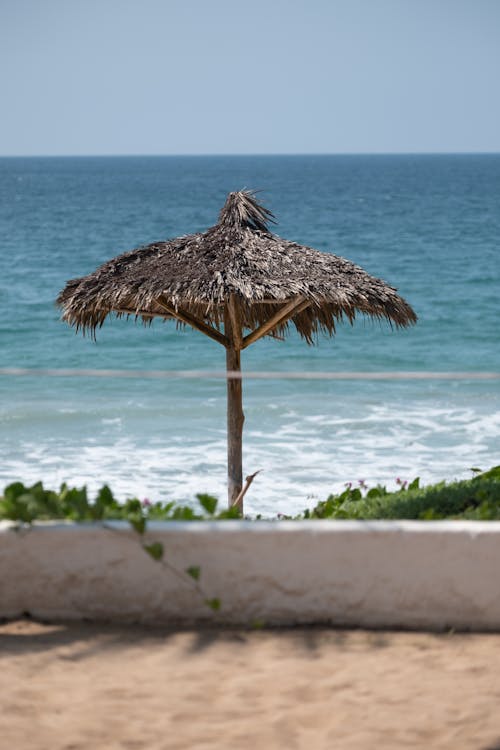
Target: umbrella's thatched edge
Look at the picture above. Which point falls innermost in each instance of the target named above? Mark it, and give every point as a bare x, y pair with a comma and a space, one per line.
237, 257
309, 323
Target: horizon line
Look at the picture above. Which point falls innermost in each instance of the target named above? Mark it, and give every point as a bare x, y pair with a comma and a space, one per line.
247, 155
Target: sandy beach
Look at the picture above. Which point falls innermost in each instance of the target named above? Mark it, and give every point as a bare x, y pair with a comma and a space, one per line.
73, 686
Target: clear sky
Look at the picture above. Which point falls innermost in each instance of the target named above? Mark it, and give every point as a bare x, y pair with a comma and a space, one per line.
249, 76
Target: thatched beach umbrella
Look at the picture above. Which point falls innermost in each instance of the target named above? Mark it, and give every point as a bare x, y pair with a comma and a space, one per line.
236, 283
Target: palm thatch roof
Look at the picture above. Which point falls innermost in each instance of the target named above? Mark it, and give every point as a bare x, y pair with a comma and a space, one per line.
239, 259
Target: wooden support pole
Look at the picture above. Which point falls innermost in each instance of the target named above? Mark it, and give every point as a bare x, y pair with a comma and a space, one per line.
235, 419
193, 321
281, 316
235, 416
235, 319
233, 330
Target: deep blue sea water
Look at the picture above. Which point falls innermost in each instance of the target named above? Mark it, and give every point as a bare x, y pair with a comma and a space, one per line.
429, 225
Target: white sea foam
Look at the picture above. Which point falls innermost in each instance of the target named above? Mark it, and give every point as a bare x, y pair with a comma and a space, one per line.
304, 454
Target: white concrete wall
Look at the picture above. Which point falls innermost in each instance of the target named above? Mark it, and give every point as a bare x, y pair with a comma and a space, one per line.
407, 574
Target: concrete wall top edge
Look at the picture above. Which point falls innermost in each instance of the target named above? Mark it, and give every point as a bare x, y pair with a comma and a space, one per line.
274, 527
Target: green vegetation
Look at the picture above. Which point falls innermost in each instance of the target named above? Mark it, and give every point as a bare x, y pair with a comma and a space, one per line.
27, 504
474, 499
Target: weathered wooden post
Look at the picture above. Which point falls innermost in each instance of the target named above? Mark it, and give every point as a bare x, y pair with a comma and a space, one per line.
235, 416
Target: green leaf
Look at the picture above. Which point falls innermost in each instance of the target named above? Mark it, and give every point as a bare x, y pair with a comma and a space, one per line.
194, 571
37, 491
20, 508
229, 513
138, 523
103, 501
345, 495
159, 510
213, 604
155, 550
184, 513
76, 503
415, 484
487, 511
493, 473
12, 491
133, 505
430, 515
105, 496
208, 502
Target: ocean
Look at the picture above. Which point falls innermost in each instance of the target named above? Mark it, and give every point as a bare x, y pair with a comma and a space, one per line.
427, 224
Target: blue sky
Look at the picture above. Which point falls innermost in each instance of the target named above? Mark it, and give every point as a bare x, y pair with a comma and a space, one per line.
241, 76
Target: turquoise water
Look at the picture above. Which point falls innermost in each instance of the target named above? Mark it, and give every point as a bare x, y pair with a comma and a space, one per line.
429, 225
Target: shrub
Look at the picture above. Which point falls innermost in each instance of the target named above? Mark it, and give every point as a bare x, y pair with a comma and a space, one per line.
473, 499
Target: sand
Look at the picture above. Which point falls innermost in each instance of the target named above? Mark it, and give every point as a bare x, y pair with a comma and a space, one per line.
81, 686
